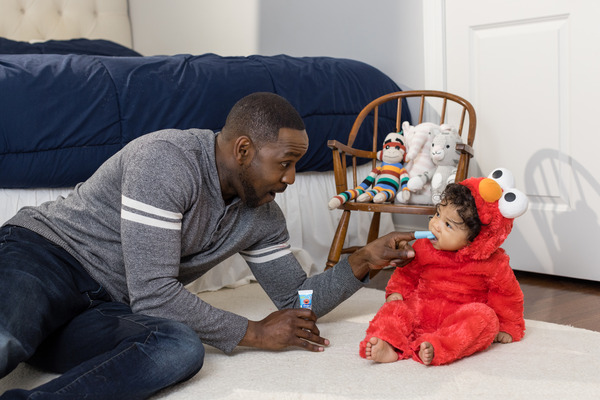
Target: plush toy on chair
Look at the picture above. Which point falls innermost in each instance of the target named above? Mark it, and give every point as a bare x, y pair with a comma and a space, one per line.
445, 156
419, 165
386, 179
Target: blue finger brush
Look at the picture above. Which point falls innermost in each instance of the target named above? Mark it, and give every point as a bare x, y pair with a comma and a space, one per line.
424, 235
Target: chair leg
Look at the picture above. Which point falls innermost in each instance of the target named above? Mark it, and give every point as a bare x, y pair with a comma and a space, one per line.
338, 240
374, 227
374, 234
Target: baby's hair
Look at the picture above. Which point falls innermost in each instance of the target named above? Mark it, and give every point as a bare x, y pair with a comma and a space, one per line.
460, 196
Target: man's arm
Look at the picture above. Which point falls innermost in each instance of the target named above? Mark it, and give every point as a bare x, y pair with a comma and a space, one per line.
297, 327
154, 201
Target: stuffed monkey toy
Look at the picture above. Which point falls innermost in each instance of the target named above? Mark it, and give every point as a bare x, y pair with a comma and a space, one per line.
386, 179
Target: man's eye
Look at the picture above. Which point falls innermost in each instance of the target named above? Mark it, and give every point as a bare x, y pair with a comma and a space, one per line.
285, 164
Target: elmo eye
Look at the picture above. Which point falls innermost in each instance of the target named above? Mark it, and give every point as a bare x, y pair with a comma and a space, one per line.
513, 203
504, 178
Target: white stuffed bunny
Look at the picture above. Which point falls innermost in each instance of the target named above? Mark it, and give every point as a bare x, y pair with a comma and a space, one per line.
419, 165
445, 156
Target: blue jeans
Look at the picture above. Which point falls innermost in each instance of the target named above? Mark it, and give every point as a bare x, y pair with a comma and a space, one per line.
56, 317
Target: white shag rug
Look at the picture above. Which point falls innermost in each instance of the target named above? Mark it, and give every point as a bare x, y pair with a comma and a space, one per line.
551, 362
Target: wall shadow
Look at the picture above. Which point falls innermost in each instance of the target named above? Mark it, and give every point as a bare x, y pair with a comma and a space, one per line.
568, 227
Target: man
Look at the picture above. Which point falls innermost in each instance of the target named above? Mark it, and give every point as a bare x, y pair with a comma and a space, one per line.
92, 285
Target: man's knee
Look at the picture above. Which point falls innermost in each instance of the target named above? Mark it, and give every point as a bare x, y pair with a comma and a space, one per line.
12, 352
183, 349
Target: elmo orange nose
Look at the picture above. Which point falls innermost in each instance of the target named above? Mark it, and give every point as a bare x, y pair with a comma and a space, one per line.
490, 190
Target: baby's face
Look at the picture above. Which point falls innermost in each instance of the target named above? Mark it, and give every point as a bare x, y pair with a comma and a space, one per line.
450, 232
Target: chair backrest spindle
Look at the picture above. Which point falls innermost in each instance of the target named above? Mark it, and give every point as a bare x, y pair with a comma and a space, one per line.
443, 113
462, 121
421, 109
375, 127
399, 116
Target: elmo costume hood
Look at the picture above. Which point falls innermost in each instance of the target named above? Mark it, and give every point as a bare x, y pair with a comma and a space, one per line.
498, 204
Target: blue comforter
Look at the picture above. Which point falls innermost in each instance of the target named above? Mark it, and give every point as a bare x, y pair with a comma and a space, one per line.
61, 116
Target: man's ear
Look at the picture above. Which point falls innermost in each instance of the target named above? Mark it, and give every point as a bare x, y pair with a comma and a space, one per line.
243, 150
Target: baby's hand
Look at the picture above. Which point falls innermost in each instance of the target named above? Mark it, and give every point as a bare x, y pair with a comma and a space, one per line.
394, 296
503, 337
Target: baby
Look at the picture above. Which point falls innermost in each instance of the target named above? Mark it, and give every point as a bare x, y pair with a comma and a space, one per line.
459, 294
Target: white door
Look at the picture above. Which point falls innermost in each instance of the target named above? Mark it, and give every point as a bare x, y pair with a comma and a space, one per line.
532, 70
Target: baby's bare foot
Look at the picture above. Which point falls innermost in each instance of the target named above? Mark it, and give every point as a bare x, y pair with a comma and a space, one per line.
380, 351
426, 353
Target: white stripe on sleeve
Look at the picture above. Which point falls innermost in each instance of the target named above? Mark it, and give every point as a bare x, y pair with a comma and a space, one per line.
128, 215
138, 205
267, 249
275, 252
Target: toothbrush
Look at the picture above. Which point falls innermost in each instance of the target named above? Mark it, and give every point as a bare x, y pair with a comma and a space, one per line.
424, 235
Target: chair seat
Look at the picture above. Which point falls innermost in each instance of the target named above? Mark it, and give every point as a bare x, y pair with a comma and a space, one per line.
390, 208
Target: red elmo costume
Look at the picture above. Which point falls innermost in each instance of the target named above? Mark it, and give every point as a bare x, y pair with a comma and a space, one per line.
458, 301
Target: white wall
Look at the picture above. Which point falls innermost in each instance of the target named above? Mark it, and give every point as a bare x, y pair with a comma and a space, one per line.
167, 27
387, 34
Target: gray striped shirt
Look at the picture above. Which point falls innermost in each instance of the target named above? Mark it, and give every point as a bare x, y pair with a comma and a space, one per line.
152, 219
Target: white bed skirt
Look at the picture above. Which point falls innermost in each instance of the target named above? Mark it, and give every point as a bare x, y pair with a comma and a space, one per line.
310, 223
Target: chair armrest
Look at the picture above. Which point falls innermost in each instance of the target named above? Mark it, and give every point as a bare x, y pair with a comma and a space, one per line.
335, 145
465, 149
466, 153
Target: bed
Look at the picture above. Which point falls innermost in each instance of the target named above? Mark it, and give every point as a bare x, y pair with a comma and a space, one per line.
74, 92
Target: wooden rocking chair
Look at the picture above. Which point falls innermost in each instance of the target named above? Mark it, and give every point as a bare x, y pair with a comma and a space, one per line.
463, 117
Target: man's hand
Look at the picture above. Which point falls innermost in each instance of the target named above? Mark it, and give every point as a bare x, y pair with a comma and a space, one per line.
284, 328
392, 249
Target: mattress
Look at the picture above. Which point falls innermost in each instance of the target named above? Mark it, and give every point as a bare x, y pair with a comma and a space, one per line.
63, 115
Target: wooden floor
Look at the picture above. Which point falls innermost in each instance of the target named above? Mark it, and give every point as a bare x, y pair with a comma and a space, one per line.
559, 300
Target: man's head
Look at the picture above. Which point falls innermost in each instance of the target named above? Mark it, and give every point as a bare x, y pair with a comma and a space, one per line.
260, 116
260, 144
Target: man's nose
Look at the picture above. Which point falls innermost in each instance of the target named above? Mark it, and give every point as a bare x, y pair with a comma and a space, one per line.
289, 177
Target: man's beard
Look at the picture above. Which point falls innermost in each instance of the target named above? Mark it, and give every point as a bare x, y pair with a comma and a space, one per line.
250, 196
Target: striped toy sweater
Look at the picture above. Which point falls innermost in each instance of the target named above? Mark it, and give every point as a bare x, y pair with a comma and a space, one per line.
388, 178
152, 219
